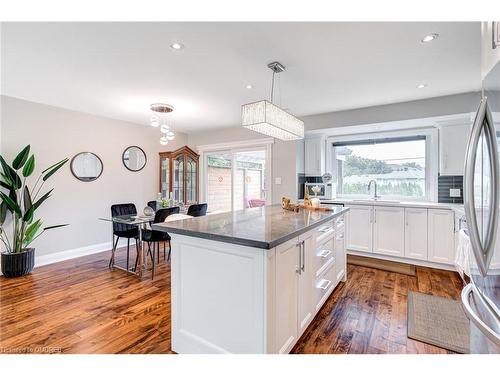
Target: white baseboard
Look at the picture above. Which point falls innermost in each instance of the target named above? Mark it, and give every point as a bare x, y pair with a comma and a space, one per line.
43, 260
415, 262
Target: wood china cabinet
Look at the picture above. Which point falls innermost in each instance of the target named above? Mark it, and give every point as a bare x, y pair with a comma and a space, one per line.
179, 174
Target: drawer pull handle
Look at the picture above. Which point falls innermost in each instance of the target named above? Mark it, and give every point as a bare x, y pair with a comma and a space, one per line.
324, 253
325, 284
325, 229
340, 237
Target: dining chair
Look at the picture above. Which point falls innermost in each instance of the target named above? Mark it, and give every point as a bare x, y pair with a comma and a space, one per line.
155, 237
124, 230
197, 209
152, 204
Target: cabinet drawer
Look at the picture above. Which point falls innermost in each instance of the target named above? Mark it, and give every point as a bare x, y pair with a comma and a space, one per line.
339, 223
324, 232
324, 256
324, 285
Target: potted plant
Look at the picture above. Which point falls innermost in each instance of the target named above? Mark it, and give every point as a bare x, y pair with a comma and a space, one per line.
21, 202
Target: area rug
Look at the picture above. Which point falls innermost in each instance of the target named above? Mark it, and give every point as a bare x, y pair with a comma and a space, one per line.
438, 321
384, 265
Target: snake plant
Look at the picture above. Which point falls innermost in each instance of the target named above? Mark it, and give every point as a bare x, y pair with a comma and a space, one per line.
21, 202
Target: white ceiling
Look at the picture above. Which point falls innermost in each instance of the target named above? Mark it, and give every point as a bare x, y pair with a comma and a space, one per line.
117, 69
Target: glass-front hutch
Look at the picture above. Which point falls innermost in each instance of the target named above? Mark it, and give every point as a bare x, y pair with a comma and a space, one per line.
179, 175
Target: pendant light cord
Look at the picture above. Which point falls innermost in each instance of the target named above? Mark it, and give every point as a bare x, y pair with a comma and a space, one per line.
272, 88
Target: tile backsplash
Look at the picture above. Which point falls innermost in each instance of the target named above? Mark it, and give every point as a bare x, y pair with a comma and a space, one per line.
445, 183
301, 180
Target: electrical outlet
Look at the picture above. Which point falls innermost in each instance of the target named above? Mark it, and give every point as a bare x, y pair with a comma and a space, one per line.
455, 193
277, 180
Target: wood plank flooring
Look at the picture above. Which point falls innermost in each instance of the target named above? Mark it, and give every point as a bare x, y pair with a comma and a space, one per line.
80, 306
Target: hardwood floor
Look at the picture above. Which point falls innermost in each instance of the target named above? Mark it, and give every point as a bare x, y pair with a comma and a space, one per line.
80, 306
367, 314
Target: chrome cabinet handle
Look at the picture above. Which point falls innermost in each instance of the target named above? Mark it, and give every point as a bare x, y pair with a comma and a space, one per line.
299, 268
483, 254
468, 290
324, 253
325, 285
302, 246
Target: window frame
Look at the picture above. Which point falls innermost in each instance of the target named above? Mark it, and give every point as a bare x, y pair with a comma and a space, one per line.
431, 159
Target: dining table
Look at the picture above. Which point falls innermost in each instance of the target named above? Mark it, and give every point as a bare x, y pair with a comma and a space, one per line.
141, 222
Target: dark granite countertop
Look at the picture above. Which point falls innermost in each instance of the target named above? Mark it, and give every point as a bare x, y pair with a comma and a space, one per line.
262, 227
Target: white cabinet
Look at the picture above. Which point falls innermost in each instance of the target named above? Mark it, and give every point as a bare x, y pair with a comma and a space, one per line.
294, 289
359, 228
408, 233
416, 233
340, 256
307, 244
452, 146
388, 231
287, 266
441, 244
315, 156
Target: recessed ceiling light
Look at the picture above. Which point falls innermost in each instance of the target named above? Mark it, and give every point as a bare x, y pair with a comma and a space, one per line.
429, 38
422, 85
177, 46
249, 87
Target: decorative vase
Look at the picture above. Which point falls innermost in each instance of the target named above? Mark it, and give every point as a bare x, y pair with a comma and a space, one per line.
18, 264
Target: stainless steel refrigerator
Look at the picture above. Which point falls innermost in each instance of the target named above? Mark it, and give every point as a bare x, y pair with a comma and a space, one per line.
481, 297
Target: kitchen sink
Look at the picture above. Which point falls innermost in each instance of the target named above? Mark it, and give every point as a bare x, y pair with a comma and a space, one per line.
372, 200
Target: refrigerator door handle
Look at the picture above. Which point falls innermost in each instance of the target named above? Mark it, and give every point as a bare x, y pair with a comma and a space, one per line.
493, 213
482, 253
469, 290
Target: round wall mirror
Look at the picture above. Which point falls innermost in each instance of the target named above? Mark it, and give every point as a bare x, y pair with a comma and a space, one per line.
134, 158
86, 166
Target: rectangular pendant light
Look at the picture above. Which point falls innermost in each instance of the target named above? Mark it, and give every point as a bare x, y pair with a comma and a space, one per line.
266, 118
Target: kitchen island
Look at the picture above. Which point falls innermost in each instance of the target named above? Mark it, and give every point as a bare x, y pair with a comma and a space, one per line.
251, 281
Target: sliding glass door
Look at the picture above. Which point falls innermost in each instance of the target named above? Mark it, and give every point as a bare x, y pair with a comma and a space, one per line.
218, 180
236, 179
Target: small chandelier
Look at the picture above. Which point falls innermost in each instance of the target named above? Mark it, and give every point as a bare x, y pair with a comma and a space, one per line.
159, 119
267, 118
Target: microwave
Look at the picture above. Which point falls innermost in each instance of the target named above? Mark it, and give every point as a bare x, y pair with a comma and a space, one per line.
324, 190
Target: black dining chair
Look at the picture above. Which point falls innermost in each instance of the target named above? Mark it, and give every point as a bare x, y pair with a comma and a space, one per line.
155, 237
197, 209
124, 230
152, 204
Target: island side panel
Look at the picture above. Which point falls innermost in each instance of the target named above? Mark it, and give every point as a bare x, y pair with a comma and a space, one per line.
218, 297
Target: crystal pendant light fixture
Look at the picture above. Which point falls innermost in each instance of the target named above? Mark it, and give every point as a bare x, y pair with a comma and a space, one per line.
160, 117
267, 118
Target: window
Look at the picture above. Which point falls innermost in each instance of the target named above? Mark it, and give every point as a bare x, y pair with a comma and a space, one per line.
399, 165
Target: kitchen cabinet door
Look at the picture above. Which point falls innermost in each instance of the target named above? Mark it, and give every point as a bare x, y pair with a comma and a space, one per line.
287, 268
452, 145
305, 281
441, 241
388, 231
314, 160
340, 256
416, 233
359, 228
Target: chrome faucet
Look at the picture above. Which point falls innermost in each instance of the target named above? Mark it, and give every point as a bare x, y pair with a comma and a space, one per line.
375, 196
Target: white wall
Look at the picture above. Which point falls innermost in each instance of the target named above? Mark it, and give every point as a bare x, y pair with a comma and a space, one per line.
283, 156
56, 133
